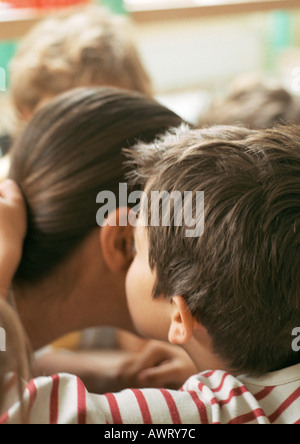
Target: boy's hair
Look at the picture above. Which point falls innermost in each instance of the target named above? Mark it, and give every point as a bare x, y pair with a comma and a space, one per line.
255, 103
241, 278
89, 48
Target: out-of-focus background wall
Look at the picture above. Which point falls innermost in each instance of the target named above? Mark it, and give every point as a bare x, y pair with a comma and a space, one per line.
191, 55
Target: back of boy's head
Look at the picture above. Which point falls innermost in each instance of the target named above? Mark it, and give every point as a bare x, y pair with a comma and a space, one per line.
89, 48
255, 103
241, 278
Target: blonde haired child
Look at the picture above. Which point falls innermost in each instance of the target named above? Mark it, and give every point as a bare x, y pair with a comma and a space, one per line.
90, 48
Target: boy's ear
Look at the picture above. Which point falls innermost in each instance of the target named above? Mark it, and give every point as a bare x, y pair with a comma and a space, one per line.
116, 238
182, 322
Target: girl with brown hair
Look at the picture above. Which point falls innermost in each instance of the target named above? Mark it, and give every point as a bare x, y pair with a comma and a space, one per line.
72, 273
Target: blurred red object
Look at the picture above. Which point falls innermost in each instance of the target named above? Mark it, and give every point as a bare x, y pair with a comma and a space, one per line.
45, 3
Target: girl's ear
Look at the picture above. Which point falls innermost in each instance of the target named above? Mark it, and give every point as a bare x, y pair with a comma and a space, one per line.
116, 239
182, 322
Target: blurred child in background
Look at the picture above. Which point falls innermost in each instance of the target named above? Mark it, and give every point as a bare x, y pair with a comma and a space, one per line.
255, 103
55, 57
90, 48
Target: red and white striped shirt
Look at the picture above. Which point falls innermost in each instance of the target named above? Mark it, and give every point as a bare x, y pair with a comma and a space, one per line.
212, 397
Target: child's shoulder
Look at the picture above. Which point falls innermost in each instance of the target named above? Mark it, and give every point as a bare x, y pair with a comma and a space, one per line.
212, 397
59, 399
273, 398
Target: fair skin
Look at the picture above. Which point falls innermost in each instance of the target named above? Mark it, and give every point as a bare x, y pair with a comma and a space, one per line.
175, 321
76, 297
12, 232
166, 319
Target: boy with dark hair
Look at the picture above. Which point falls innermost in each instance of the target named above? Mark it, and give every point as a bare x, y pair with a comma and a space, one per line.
240, 279
231, 296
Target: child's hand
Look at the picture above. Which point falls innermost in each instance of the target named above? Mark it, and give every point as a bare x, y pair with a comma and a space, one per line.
13, 225
159, 365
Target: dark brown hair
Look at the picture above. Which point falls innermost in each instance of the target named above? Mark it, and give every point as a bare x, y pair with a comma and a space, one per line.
70, 151
241, 278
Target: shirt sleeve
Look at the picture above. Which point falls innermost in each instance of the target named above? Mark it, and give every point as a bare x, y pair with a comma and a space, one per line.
63, 399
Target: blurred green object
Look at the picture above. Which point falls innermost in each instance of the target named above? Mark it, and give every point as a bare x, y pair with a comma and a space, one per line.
280, 35
116, 6
7, 50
